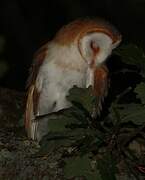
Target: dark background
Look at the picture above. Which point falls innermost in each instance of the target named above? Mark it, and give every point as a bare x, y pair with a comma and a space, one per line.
26, 25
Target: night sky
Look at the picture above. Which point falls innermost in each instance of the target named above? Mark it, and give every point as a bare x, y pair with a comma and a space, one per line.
26, 25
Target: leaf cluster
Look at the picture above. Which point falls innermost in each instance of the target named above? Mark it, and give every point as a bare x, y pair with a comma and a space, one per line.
102, 148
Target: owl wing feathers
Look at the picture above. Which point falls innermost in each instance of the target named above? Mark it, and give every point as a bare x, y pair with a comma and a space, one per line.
101, 85
33, 93
39, 57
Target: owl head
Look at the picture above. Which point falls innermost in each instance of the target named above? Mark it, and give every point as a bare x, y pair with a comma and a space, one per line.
95, 39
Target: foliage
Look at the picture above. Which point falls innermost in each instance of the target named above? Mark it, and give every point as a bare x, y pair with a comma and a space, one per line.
132, 55
98, 148
81, 165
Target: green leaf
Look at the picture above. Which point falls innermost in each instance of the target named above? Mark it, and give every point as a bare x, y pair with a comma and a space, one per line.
82, 96
80, 166
131, 54
90, 143
131, 113
54, 140
59, 124
52, 145
140, 90
62, 120
107, 167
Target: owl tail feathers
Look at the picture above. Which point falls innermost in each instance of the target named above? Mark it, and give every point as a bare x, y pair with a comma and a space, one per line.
32, 130
31, 125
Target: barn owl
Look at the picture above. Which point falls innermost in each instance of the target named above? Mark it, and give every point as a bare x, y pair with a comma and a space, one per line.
75, 56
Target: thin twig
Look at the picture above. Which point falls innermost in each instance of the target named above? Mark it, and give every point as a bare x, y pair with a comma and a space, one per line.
122, 94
